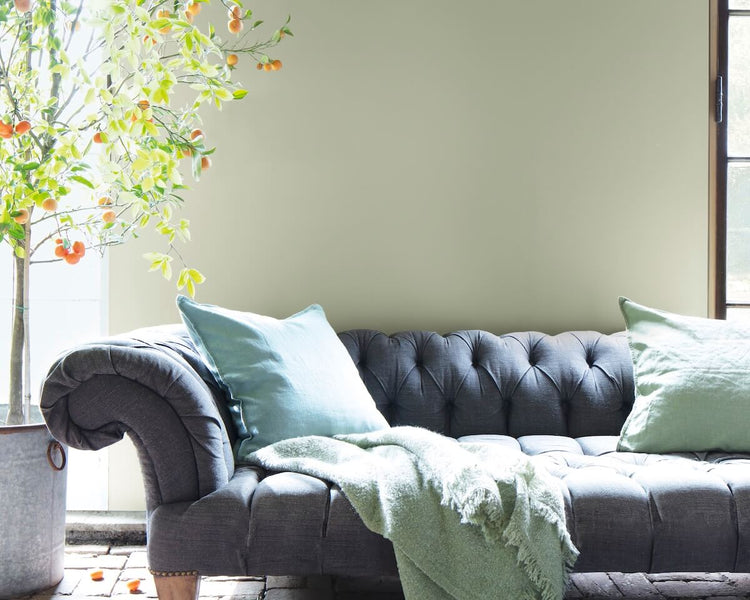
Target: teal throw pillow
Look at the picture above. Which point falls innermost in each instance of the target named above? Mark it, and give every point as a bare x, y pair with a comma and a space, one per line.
284, 377
692, 383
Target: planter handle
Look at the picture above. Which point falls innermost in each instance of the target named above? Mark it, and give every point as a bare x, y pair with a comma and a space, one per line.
55, 445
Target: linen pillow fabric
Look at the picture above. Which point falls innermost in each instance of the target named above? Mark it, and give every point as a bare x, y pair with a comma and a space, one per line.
692, 383
285, 378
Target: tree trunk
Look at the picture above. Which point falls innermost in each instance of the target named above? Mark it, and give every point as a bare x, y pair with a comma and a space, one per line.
19, 340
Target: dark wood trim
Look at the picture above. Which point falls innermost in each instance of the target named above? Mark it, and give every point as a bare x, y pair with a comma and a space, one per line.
719, 56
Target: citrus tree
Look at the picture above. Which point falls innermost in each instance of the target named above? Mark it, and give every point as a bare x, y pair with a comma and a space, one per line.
100, 105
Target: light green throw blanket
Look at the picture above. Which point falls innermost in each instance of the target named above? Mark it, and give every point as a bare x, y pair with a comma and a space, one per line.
467, 520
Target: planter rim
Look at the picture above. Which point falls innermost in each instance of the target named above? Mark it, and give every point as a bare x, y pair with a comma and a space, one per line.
21, 428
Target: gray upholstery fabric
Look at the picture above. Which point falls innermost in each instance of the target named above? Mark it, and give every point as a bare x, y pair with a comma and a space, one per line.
473, 382
152, 385
561, 399
648, 513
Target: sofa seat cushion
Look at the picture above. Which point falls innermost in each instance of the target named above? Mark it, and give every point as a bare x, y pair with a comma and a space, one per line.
647, 512
267, 524
626, 511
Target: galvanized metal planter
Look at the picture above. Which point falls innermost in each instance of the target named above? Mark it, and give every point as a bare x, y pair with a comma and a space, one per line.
32, 510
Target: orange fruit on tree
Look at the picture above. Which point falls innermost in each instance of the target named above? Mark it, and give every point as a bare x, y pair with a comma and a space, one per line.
79, 248
267, 67
98, 138
235, 26
186, 152
22, 127
108, 216
58, 241
49, 204
72, 259
259, 66
105, 201
194, 8
22, 5
234, 12
143, 104
6, 130
195, 134
232, 59
60, 251
205, 163
189, 16
276, 65
22, 217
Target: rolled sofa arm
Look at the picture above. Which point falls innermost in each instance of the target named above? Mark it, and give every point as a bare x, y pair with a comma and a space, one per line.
152, 385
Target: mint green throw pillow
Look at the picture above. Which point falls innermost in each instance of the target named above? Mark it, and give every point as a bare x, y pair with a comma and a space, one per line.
285, 378
692, 383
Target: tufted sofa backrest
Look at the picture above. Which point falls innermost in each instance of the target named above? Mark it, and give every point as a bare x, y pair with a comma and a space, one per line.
472, 382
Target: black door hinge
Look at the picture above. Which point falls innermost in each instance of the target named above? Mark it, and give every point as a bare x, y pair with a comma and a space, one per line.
719, 99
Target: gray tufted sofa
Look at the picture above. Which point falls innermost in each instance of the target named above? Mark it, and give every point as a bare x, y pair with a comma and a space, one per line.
562, 398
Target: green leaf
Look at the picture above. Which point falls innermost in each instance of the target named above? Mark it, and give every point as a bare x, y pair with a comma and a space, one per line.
166, 268
17, 231
29, 166
151, 128
141, 162
160, 261
196, 276
183, 279
19, 251
239, 94
83, 181
223, 94
160, 23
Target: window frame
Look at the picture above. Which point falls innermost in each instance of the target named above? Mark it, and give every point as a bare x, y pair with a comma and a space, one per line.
720, 160
718, 85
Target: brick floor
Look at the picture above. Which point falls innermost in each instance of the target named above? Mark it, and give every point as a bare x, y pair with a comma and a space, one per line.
121, 564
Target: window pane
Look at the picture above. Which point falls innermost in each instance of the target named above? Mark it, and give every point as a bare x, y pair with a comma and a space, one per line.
741, 316
739, 4
738, 232
738, 100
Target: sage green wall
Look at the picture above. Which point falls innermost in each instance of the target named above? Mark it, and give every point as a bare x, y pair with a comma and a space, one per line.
504, 165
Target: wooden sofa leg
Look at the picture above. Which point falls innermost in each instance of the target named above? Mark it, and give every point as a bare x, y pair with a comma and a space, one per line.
177, 587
